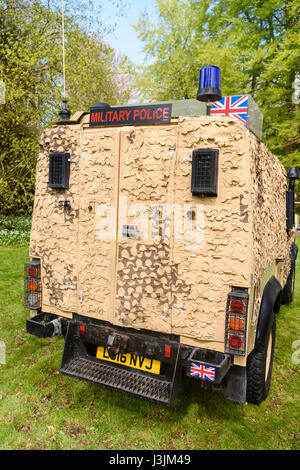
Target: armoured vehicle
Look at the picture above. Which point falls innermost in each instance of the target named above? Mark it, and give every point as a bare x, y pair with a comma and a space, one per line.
162, 244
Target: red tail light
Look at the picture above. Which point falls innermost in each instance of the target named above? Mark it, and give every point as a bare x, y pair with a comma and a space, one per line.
236, 321
237, 305
235, 341
32, 271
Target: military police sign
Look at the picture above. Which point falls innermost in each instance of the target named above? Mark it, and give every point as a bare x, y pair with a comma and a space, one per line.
101, 114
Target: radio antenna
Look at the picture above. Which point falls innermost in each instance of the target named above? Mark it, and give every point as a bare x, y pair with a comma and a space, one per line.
64, 113
63, 45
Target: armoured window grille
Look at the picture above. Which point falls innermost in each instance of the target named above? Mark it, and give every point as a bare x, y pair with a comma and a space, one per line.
59, 170
204, 172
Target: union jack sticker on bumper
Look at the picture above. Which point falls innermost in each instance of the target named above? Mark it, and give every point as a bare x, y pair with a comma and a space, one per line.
201, 371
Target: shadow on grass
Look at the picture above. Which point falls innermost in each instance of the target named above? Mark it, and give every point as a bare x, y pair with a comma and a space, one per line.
205, 404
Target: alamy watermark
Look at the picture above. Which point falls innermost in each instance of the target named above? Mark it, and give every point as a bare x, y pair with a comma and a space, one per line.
2, 92
149, 222
296, 354
2, 352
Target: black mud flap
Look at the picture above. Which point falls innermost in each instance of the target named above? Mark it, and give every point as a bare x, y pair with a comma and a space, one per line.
76, 362
234, 387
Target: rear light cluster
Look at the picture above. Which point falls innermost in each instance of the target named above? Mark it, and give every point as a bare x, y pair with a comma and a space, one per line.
32, 285
236, 321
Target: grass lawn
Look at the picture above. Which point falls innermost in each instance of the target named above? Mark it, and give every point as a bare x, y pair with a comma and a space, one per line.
42, 409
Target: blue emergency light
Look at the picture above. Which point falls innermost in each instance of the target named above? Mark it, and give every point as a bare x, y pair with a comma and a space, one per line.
209, 84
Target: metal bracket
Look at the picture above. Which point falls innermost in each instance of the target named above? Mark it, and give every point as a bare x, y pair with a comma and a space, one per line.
172, 149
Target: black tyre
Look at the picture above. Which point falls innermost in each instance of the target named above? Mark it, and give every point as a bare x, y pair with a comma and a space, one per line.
259, 367
288, 290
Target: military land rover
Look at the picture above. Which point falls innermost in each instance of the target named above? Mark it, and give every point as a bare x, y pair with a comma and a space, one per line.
162, 245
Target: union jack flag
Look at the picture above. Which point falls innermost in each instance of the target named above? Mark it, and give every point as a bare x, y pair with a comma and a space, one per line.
202, 372
236, 106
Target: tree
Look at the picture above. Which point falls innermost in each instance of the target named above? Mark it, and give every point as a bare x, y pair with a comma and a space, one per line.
265, 37
95, 70
24, 33
31, 68
255, 44
178, 46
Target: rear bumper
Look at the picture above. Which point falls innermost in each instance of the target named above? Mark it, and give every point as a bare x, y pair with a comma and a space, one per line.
152, 345
83, 335
80, 360
46, 325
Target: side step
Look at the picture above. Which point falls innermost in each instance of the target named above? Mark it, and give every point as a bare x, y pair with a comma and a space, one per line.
77, 363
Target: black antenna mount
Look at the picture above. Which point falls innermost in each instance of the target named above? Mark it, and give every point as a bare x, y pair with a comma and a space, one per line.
64, 113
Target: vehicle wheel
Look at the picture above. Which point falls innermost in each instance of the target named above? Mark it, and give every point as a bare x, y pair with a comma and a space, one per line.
259, 367
288, 290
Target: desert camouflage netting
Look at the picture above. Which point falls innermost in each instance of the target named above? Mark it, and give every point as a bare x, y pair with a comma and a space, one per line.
175, 274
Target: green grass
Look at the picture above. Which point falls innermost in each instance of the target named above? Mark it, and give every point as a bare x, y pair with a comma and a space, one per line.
42, 409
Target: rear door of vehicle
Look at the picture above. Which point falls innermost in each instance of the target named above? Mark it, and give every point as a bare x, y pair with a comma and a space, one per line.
126, 273
144, 272
99, 167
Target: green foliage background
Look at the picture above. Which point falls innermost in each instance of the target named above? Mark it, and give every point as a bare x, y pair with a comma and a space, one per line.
255, 43
31, 69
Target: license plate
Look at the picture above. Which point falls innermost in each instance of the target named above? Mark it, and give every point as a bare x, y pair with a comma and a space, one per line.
130, 360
